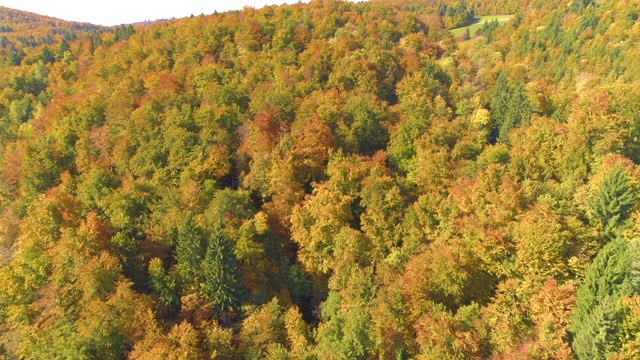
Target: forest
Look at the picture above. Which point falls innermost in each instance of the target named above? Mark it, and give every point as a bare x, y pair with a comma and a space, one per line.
330, 180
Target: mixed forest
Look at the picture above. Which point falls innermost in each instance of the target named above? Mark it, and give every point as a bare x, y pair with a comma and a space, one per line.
330, 180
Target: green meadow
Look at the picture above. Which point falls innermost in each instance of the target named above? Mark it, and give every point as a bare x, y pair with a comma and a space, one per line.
479, 22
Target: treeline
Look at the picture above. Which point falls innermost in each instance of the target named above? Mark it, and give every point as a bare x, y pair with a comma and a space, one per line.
330, 180
453, 14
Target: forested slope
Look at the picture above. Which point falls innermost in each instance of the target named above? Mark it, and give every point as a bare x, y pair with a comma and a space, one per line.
323, 181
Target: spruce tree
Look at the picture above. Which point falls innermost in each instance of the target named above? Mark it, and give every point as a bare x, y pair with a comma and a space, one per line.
499, 104
597, 336
162, 284
190, 248
510, 106
608, 277
614, 203
221, 277
519, 109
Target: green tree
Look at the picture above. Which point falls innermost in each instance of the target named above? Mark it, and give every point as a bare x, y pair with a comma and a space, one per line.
20, 110
499, 103
510, 106
519, 109
163, 285
610, 276
190, 248
613, 204
62, 48
263, 330
598, 337
221, 278
345, 332
48, 56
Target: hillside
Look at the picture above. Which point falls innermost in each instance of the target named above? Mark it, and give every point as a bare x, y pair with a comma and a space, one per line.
330, 180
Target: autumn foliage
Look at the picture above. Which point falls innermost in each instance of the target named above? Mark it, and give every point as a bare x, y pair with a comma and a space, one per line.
330, 180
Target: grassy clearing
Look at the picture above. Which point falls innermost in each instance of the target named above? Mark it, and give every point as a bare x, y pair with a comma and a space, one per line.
477, 24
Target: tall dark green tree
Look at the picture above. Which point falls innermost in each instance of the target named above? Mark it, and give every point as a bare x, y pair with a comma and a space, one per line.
221, 277
162, 284
48, 57
190, 248
62, 48
499, 103
519, 109
613, 204
124, 32
509, 107
597, 337
608, 277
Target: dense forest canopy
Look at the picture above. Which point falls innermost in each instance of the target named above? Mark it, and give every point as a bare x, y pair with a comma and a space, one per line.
330, 180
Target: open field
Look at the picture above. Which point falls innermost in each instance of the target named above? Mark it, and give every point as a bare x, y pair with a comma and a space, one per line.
479, 23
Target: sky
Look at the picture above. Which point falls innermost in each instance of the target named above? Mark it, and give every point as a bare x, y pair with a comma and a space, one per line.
116, 12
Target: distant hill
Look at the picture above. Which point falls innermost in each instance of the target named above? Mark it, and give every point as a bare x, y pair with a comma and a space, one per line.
22, 34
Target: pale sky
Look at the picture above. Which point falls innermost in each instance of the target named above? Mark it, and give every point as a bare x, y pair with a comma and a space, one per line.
115, 12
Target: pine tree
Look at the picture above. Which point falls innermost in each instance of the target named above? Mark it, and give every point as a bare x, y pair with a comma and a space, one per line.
221, 277
598, 337
161, 283
190, 247
609, 277
614, 203
509, 107
519, 109
499, 103
62, 48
